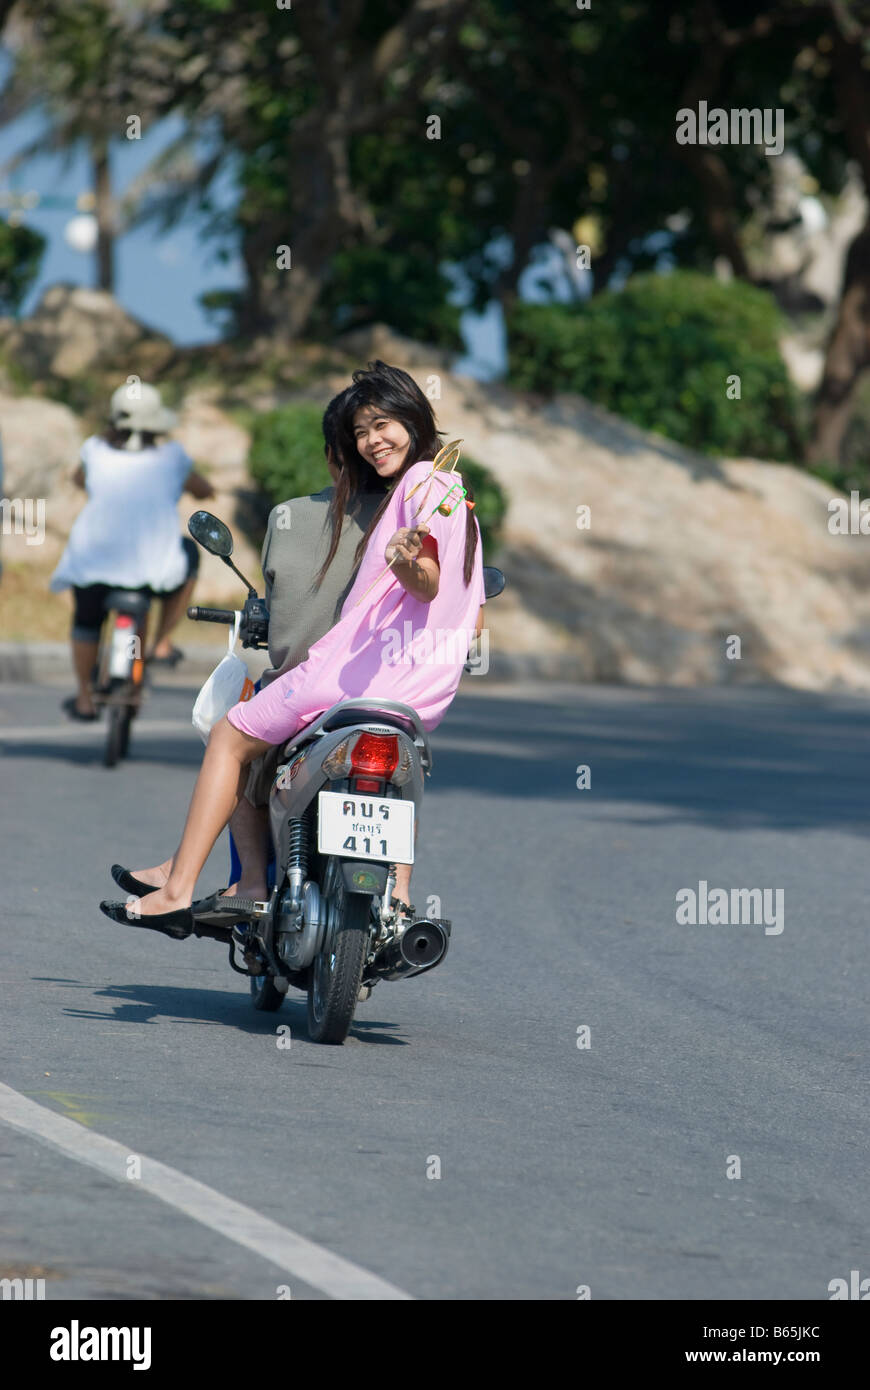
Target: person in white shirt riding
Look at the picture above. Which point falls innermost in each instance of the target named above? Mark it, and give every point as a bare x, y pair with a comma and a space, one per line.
127, 534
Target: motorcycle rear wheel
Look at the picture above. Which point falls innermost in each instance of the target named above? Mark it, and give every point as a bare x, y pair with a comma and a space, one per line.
117, 734
335, 974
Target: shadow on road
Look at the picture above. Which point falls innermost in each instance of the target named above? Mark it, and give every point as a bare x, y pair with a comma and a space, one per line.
149, 1004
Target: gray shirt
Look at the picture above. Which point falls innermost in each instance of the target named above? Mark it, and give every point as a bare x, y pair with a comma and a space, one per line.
296, 545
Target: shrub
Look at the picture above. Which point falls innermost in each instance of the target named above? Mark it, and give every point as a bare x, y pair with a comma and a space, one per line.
287, 460
21, 251
659, 352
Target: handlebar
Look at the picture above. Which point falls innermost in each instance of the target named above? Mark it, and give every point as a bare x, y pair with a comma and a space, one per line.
212, 615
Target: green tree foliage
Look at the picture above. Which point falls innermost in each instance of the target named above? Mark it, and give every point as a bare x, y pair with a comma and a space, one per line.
21, 250
554, 123
660, 352
406, 289
286, 460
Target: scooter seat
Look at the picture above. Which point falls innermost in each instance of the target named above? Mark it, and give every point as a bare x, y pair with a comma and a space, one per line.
343, 718
128, 601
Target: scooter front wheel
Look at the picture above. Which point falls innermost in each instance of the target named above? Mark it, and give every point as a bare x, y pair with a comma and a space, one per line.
335, 974
264, 995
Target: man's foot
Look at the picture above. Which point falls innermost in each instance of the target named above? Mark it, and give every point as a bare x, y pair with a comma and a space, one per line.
256, 890
164, 654
403, 914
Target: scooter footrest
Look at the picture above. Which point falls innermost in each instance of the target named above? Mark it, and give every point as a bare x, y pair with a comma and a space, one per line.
237, 907
228, 909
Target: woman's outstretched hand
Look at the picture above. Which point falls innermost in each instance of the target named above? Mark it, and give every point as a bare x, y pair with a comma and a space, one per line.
416, 561
406, 544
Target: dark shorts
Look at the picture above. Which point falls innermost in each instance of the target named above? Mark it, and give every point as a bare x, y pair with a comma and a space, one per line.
90, 601
261, 774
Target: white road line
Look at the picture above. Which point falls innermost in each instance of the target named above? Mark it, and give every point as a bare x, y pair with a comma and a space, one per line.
313, 1264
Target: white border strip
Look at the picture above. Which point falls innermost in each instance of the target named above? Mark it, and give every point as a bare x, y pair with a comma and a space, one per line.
332, 1275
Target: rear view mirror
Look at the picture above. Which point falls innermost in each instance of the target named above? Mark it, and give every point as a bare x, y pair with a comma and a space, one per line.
493, 581
211, 533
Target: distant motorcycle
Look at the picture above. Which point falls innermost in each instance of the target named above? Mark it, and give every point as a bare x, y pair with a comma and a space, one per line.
341, 816
118, 683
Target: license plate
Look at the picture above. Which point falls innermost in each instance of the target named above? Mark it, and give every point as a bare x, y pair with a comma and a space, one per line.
361, 827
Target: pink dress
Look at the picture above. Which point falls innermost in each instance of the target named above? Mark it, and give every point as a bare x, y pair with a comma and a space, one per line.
390, 646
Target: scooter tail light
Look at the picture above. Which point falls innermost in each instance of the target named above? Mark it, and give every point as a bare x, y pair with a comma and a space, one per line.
404, 768
375, 754
336, 764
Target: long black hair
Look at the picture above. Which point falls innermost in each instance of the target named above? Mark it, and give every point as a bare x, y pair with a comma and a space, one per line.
397, 395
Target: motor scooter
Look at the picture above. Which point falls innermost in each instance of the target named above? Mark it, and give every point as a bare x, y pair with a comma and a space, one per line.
342, 813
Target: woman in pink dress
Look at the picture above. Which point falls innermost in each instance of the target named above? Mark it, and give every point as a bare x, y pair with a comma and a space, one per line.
407, 639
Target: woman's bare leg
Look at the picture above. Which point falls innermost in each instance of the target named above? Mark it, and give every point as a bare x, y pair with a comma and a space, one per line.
156, 876
219, 786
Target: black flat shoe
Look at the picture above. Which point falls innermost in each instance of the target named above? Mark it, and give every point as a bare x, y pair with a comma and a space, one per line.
178, 924
125, 880
171, 660
69, 708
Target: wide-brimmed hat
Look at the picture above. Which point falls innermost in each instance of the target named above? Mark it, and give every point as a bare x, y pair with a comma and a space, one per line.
137, 406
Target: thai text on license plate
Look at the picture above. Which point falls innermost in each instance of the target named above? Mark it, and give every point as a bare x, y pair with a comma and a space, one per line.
364, 827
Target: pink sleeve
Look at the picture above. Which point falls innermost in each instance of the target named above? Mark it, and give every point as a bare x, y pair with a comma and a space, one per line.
414, 511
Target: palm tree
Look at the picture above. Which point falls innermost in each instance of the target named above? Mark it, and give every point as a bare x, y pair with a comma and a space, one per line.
88, 68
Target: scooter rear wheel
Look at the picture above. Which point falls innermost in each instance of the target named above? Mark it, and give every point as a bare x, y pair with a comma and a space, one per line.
335, 974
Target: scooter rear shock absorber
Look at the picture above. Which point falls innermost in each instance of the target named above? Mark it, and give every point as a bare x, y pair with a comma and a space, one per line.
298, 843
297, 847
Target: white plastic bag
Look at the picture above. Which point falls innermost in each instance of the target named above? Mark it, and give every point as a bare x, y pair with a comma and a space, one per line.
228, 683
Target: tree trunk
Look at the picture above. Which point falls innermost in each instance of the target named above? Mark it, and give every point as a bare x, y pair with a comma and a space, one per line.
323, 210
847, 358
104, 213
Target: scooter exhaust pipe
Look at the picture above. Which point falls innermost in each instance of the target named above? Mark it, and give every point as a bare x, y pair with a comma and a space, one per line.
421, 947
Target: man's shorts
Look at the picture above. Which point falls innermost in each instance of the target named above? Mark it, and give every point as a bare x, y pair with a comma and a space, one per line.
261, 775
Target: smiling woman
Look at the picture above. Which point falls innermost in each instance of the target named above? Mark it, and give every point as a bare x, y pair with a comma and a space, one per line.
386, 425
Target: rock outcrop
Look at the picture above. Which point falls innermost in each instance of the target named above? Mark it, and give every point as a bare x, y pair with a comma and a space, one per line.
684, 570
74, 330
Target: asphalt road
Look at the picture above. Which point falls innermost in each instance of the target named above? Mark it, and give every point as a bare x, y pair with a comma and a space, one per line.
561, 1166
